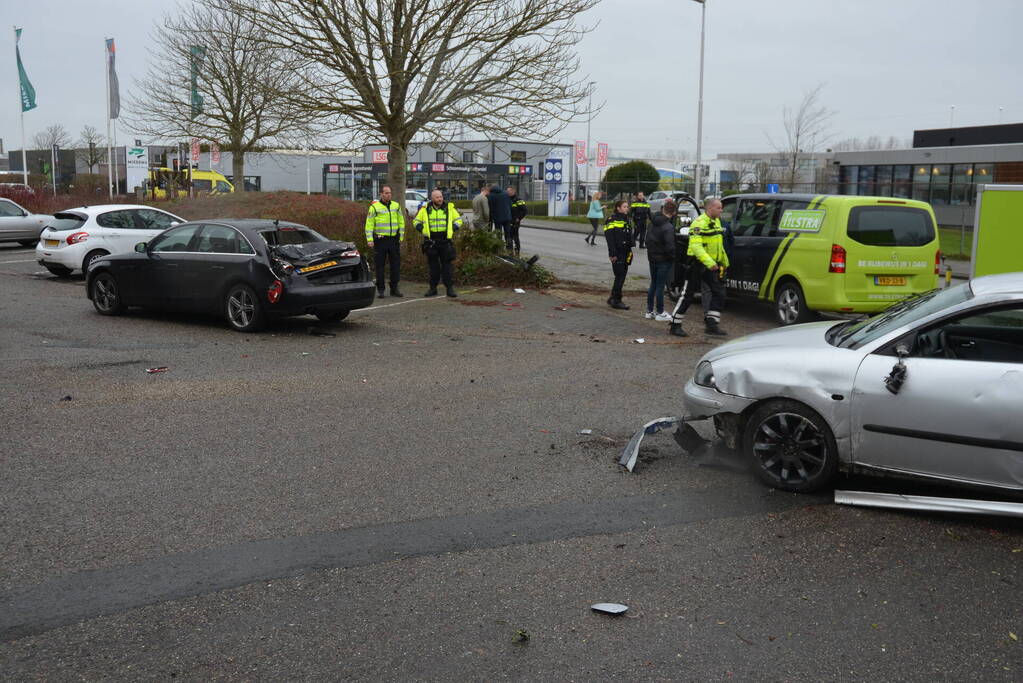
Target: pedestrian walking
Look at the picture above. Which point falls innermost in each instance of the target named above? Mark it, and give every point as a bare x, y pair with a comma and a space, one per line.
519, 210
640, 213
661, 255
595, 214
618, 235
385, 231
438, 220
500, 213
707, 264
481, 210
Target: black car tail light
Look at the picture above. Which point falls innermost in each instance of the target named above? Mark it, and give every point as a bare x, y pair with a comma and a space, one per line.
273, 293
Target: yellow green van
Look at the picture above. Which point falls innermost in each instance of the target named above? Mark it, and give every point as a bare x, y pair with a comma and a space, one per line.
207, 182
833, 253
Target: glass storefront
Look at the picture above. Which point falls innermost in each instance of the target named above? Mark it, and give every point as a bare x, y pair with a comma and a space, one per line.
456, 181
939, 184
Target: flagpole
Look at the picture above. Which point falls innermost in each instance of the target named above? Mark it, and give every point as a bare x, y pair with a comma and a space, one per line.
110, 154
21, 107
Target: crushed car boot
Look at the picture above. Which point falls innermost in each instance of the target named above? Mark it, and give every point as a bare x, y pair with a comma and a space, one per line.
451, 292
432, 291
713, 328
395, 291
676, 329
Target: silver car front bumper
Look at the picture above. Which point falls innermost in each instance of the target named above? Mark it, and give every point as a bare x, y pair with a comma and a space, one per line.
703, 402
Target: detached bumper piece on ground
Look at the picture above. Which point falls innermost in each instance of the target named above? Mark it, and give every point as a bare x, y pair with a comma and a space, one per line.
685, 436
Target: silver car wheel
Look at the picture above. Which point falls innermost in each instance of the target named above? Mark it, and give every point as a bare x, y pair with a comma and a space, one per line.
790, 448
105, 293
241, 308
788, 306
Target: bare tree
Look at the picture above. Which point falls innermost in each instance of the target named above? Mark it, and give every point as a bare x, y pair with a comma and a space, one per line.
805, 126
420, 69
92, 149
762, 174
245, 86
744, 172
53, 135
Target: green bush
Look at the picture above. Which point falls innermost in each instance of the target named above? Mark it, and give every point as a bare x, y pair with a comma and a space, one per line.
630, 177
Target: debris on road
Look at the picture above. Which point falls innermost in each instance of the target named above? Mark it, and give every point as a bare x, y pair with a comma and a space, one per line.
317, 332
631, 452
900, 501
521, 636
586, 431
66, 398
610, 608
162, 368
640, 340
519, 291
560, 308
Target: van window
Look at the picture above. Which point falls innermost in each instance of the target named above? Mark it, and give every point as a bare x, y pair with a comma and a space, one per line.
890, 226
755, 218
202, 185
223, 186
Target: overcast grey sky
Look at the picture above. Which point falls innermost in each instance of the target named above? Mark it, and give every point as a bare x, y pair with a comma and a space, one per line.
890, 66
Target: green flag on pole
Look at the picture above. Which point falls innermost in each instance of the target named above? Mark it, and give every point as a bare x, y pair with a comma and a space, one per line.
198, 56
28, 93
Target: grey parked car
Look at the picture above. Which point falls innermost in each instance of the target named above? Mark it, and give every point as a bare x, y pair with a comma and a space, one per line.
931, 388
18, 225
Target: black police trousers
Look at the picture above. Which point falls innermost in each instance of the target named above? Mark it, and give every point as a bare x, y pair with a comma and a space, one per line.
387, 249
439, 259
701, 276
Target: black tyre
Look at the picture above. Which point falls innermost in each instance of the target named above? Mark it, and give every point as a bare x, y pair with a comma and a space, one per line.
790, 304
90, 257
59, 271
106, 297
243, 310
333, 317
790, 447
27, 243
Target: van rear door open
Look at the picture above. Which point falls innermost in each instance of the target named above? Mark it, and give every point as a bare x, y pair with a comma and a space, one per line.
890, 252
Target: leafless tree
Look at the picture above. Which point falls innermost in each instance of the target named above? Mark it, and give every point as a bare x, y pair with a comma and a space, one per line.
762, 173
805, 126
246, 86
52, 135
92, 149
744, 171
396, 71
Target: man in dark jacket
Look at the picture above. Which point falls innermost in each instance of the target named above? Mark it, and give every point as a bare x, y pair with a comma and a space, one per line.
519, 210
500, 212
660, 244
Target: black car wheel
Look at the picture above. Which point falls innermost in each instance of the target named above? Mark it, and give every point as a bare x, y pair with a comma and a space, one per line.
105, 295
334, 317
90, 257
790, 304
243, 309
790, 447
59, 271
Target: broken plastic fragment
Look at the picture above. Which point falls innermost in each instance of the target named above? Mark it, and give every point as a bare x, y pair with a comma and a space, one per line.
585, 431
162, 368
932, 504
609, 608
519, 291
641, 340
631, 452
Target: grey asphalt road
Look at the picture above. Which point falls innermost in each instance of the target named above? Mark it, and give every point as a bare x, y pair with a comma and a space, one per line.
412, 499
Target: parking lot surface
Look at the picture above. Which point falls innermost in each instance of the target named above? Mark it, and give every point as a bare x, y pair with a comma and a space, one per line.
411, 498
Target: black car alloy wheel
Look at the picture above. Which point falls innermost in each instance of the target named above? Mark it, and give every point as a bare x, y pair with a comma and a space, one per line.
243, 309
105, 296
791, 447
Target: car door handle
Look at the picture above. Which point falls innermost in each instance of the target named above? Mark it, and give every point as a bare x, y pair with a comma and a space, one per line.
967, 344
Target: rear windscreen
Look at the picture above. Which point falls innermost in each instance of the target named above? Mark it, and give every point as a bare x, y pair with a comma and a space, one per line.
65, 221
289, 235
891, 226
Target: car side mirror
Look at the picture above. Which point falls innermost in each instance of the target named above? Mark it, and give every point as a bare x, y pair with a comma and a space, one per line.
897, 377
140, 248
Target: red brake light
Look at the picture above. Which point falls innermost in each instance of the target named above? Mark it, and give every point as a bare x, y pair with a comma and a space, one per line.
76, 237
837, 259
937, 262
273, 293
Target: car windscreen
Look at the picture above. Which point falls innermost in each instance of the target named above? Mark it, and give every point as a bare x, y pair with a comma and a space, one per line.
890, 226
65, 221
853, 335
291, 235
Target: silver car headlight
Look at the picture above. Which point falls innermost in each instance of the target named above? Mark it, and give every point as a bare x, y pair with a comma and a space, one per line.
704, 376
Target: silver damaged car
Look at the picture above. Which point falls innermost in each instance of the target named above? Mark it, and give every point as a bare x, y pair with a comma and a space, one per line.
930, 388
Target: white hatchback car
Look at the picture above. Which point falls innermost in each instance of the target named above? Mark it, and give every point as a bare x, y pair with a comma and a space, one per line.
73, 238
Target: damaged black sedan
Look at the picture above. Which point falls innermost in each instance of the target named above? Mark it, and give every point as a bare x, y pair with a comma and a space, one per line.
247, 270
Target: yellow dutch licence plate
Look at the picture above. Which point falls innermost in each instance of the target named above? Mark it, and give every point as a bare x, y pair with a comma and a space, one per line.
890, 280
51, 243
318, 266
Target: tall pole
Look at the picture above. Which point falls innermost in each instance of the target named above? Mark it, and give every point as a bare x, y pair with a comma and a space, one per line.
698, 193
21, 108
110, 151
952, 116
589, 119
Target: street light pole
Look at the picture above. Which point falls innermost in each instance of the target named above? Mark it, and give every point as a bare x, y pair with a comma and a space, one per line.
589, 119
698, 177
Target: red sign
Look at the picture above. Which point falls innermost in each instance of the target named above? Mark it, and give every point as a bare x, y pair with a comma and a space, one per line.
195, 150
580, 152
333, 168
215, 153
380, 156
437, 168
601, 154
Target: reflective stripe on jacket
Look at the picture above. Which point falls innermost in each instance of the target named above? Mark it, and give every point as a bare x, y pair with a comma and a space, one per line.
706, 243
438, 222
385, 221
